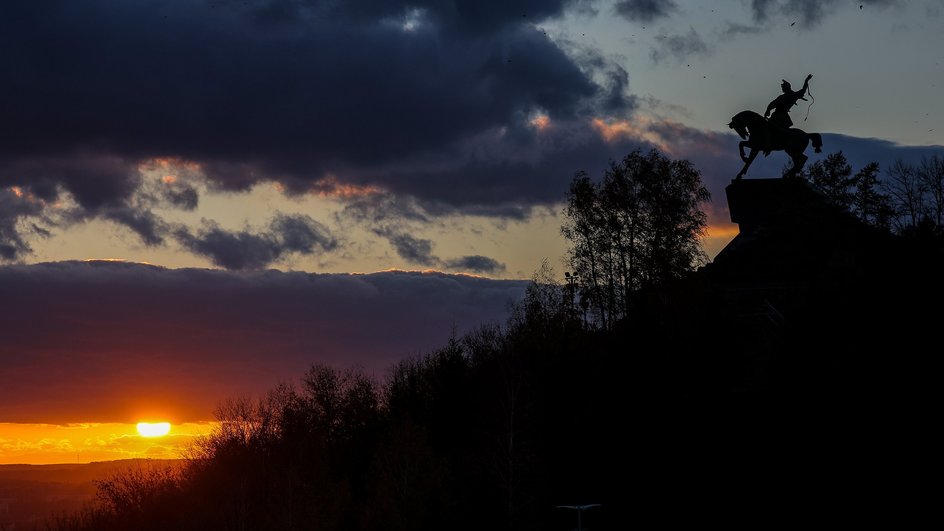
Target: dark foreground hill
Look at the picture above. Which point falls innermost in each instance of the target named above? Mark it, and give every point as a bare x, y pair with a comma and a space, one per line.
790, 382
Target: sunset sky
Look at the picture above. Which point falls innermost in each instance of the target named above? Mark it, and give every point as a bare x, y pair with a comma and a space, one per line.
201, 198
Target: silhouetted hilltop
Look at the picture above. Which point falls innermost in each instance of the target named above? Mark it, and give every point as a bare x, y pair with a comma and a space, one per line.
803, 357
792, 233
775, 385
805, 301
849, 303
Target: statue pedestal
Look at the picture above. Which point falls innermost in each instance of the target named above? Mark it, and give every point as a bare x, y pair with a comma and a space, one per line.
756, 202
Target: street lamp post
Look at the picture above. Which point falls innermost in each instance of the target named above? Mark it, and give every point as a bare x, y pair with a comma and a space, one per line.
572, 279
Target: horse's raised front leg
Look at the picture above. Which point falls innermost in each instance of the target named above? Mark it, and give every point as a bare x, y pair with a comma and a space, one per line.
741, 146
747, 162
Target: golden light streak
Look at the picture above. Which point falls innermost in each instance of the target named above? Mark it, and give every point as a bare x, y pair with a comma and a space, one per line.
118, 260
717, 238
723, 231
331, 186
39, 444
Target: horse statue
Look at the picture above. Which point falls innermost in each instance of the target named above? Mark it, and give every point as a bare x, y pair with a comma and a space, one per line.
760, 135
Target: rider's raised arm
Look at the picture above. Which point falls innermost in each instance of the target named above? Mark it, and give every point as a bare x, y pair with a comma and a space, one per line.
806, 84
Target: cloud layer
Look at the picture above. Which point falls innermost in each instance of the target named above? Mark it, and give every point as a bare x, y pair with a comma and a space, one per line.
404, 96
405, 111
112, 341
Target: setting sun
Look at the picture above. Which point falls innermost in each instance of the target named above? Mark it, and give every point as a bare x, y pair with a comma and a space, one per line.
153, 429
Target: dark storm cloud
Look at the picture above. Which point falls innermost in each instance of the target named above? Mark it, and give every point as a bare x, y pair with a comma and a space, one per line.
508, 170
645, 10
378, 207
301, 234
680, 46
103, 341
420, 251
364, 93
101, 186
16, 204
245, 249
333, 85
182, 196
476, 264
415, 250
616, 98
94, 179
808, 12
149, 227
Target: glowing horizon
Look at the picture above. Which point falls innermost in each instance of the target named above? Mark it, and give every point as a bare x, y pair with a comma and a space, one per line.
43, 444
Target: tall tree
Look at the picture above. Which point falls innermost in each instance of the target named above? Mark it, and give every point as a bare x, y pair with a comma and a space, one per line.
907, 192
868, 202
641, 225
584, 228
931, 176
833, 176
860, 193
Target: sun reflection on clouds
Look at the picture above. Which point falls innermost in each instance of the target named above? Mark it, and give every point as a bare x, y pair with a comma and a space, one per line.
27, 195
332, 187
640, 127
540, 122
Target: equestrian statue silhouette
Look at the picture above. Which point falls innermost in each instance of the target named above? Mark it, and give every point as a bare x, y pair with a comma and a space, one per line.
776, 134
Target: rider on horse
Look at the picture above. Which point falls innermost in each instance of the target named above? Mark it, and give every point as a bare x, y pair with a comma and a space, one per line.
781, 107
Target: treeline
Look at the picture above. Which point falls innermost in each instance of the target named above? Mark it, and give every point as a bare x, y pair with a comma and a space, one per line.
660, 419
492, 431
908, 201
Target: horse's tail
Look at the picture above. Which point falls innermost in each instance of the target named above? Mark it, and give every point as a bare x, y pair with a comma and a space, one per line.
817, 142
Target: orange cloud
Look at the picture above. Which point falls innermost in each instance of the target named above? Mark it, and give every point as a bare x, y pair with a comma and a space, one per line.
641, 128
169, 163
540, 122
672, 138
26, 194
331, 186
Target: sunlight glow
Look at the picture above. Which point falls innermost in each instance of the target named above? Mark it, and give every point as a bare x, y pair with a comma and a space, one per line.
90, 441
332, 187
612, 130
541, 122
153, 429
